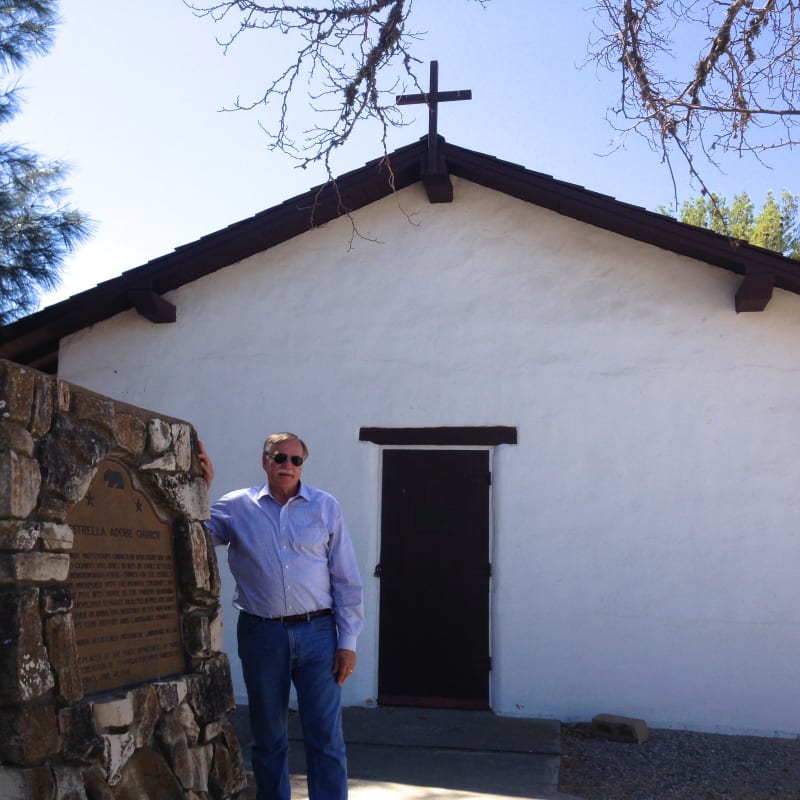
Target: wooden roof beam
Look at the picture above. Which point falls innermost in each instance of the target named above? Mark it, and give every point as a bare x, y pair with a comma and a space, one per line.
152, 306
755, 291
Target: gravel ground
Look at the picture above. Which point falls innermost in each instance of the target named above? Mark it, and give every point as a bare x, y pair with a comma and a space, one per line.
679, 764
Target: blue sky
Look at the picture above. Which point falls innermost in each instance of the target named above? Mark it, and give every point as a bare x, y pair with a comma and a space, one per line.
130, 98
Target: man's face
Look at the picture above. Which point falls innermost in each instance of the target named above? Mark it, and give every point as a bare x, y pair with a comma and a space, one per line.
285, 477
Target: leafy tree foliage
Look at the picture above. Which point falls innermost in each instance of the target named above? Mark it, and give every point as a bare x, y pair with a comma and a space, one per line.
775, 227
37, 228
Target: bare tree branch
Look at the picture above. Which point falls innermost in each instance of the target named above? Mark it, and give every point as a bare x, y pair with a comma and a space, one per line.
739, 95
699, 78
350, 56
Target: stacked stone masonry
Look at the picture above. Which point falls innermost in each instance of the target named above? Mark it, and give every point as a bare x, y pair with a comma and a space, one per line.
168, 739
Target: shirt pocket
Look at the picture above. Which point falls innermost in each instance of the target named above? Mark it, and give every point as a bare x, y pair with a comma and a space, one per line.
311, 539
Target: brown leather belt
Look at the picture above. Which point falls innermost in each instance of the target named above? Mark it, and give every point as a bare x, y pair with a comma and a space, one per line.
307, 617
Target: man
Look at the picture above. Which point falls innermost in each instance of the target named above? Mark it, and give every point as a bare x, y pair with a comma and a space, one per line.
299, 596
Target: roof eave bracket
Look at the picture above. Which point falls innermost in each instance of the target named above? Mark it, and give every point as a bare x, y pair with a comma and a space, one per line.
435, 178
755, 291
438, 187
152, 306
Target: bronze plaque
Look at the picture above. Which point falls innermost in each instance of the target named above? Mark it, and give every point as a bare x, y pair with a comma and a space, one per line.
123, 583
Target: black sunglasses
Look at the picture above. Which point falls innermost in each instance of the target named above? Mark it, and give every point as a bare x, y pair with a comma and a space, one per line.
279, 458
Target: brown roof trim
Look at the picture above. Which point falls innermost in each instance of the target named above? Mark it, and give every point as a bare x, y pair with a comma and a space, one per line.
34, 339
628, 220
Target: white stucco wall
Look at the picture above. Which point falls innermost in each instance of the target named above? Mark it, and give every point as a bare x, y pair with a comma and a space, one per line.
644, 528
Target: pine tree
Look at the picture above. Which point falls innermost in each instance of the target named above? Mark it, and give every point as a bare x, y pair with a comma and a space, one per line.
37, 228
775, 227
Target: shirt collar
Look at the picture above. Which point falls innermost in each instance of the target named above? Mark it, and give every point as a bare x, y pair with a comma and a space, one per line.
302, 492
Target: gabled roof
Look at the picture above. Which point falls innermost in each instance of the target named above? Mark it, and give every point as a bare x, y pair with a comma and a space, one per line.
34, 340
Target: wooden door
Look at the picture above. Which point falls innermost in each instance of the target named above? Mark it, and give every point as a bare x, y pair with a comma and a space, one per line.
434, 571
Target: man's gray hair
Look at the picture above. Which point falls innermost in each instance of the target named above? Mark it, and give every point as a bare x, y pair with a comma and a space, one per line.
276, 438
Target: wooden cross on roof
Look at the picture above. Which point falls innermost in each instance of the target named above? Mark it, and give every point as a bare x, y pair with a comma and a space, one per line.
435, 171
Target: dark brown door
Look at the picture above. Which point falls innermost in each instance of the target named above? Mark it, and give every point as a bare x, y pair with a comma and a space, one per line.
434, 571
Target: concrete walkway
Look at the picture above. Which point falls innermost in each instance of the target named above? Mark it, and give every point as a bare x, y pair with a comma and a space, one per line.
433, 754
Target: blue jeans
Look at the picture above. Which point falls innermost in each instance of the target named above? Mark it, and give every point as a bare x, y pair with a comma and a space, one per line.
273, 656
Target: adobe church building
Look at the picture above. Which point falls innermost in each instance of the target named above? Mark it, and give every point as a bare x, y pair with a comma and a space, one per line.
564, 431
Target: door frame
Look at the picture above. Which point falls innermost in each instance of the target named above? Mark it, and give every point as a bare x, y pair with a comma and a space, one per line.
479, 436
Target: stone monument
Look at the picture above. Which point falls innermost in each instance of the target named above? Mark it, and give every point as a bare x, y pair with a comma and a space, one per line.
112, 682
